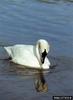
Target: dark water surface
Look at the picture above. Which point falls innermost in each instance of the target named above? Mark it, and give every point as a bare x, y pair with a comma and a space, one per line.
26, 21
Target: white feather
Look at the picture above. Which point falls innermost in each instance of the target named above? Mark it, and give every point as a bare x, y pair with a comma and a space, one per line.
27, 55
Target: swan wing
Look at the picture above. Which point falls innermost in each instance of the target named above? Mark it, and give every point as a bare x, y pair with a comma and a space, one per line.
24, 55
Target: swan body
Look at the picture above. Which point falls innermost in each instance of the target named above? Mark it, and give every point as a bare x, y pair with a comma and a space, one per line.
30, 55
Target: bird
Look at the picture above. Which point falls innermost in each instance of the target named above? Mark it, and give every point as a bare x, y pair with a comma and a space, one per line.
31, 56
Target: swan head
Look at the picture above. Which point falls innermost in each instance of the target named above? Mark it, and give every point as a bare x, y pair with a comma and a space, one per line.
43, 47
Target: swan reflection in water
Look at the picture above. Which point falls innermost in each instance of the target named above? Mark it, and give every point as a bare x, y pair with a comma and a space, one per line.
40, 83
10, 68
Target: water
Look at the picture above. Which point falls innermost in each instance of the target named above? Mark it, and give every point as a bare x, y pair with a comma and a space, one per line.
25, 22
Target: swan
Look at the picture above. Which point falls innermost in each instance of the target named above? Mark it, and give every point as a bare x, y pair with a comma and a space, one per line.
31, 56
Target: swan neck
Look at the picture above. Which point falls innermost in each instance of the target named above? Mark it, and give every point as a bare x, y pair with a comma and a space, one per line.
38, 53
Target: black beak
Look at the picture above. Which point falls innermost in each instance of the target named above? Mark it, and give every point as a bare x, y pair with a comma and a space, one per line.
44, 54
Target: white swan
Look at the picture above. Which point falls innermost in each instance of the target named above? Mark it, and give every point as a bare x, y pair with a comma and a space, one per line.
29, 55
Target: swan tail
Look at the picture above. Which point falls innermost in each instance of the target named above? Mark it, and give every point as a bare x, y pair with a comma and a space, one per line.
3, 54
8, 49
